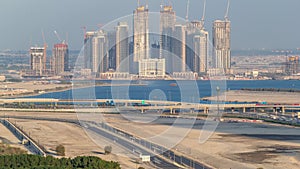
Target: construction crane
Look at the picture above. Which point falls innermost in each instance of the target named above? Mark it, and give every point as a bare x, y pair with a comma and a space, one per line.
203, 15
45, 51
187, 11
100, 25
58, 37
227, 10
84, 31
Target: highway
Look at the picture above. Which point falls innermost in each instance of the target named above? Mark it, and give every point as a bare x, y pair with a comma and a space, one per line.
132, 144
152, 148
132, 147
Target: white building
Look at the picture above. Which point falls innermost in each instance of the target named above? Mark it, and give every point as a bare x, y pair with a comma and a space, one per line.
152, 68
141, 33
37, 60
122, 47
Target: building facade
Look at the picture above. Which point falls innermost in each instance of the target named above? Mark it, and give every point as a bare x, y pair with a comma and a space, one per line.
201, 48
167, 23
292, 65
179, 49
152, 68
37, 60
221, 45
60, 59
88, 47
100, 52
141, 33
122, 47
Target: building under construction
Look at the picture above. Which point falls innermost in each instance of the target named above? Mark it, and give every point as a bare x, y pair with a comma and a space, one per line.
37, 60
60, 59
141, 33
292, 65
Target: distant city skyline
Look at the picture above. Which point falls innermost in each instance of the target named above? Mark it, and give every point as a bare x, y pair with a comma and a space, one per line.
255, 24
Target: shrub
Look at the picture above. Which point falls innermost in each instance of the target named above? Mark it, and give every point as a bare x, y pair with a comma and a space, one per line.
107, 149
60, 150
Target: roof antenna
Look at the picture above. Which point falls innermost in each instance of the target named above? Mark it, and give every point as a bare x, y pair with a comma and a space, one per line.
138, 2
227, 10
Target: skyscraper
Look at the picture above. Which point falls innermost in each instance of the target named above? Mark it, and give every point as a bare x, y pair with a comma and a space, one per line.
167, 23
179, 48
141, 33
100, 52
88, 38
37, 58
111, 37
60, 58
221, 45
200, 51
122, 47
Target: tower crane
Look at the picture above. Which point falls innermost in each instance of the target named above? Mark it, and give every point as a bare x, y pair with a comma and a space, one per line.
58, 37
187, 11
45, 51
84, 31
203, 15
227, 10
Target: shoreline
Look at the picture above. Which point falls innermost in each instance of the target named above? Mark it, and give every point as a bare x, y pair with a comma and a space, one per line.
70, 87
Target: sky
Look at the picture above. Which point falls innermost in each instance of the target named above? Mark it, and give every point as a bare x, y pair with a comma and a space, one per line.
256, 24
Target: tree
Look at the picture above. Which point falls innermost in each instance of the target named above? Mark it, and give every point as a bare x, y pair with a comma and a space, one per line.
60, 150
107, 150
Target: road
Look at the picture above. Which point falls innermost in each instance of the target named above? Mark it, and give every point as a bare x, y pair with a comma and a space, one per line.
132, 147
152, 148
130, 143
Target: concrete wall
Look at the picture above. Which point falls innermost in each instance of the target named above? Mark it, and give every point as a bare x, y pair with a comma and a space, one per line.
33, 147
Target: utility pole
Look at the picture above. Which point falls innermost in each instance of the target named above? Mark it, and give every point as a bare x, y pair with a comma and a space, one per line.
218, 106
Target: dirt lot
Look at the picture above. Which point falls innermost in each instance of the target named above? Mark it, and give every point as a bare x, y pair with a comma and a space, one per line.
225, 149
27, 88
233, 145
50, 134
6, 137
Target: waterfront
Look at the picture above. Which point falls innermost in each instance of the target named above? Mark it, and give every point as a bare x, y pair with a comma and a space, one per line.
167, 89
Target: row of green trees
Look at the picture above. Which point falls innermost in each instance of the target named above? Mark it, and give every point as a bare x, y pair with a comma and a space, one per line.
27, 161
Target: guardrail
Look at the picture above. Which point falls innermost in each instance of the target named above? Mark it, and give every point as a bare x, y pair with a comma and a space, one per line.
165, 152
21, 135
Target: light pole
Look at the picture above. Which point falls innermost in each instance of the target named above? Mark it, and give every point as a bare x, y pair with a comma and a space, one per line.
218, 106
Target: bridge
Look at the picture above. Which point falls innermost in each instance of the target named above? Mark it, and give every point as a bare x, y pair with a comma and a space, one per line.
144, 105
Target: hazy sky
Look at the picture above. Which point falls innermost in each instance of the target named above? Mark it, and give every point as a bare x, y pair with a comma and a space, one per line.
255, 23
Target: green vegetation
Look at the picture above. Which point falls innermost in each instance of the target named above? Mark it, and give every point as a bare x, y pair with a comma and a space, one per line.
6, 150
26, 161
60, 150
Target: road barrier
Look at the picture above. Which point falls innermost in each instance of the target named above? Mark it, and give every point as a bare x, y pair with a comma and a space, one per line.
21, 135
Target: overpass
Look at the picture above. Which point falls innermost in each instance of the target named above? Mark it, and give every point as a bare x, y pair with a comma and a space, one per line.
159, 105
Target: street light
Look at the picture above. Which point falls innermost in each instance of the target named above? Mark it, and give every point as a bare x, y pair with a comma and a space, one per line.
218, 106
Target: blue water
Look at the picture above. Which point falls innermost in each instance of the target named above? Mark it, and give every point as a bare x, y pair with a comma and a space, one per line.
184, 91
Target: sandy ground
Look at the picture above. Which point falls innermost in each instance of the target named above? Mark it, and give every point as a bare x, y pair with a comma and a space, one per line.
73, 137
266, 96
22, 88
225, 149
233, 145
7, 137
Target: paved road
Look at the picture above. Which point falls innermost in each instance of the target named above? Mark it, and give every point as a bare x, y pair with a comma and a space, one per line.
156, 160
130, 143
